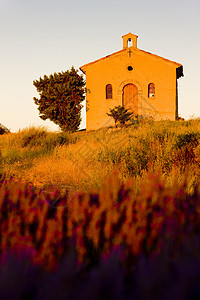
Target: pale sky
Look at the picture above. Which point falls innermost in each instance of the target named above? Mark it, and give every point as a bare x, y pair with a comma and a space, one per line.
45, 36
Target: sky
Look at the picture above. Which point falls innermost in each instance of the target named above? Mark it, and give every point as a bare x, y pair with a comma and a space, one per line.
42, 37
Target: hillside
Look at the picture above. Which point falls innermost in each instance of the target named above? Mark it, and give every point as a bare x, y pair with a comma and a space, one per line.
82, 160
134, 235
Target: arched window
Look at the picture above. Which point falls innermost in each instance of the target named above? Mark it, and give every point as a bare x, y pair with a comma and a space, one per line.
151, 90
109, 91
129, 43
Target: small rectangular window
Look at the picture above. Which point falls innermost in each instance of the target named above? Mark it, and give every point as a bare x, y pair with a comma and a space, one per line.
151, 90
109, 91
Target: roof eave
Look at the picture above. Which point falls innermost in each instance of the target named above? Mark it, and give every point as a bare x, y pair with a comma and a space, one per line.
146, 52
99, 59
81, 68
179, 72
160, 57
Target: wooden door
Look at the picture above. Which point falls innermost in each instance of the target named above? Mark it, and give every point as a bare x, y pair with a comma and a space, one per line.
130, 97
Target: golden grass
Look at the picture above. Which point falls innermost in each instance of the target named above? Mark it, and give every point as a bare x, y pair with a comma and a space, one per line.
81, 160
64, 169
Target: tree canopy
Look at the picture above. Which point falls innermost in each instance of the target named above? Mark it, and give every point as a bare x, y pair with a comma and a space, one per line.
61, 95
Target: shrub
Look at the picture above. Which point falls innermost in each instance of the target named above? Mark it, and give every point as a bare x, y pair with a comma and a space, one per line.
33, 137
187, 139
121, 115
64, 138
184, 146
3, 129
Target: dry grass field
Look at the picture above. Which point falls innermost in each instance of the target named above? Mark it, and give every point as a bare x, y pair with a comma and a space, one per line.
81, 160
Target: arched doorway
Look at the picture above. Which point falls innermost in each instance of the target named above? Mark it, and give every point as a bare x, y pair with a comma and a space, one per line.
130, 97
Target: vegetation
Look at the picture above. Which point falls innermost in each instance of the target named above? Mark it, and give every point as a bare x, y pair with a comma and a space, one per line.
61, 95
110, 213
81, 160
121, 242
121, 115
3, 129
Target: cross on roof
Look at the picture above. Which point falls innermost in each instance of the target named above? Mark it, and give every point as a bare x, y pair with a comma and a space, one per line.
129, 52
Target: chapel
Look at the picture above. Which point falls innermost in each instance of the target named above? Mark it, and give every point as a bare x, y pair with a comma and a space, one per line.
144, 82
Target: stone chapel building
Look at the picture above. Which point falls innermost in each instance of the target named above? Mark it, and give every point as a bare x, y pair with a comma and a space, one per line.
144, 82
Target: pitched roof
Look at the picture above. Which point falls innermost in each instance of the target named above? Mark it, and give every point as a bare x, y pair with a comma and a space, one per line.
120, 51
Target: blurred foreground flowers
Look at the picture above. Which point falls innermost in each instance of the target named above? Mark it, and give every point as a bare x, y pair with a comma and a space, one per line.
122, 242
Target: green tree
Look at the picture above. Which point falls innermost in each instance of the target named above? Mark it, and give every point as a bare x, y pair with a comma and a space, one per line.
61, 95
120, 114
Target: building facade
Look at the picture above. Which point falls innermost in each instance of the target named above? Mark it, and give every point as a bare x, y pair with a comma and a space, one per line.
144, 82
